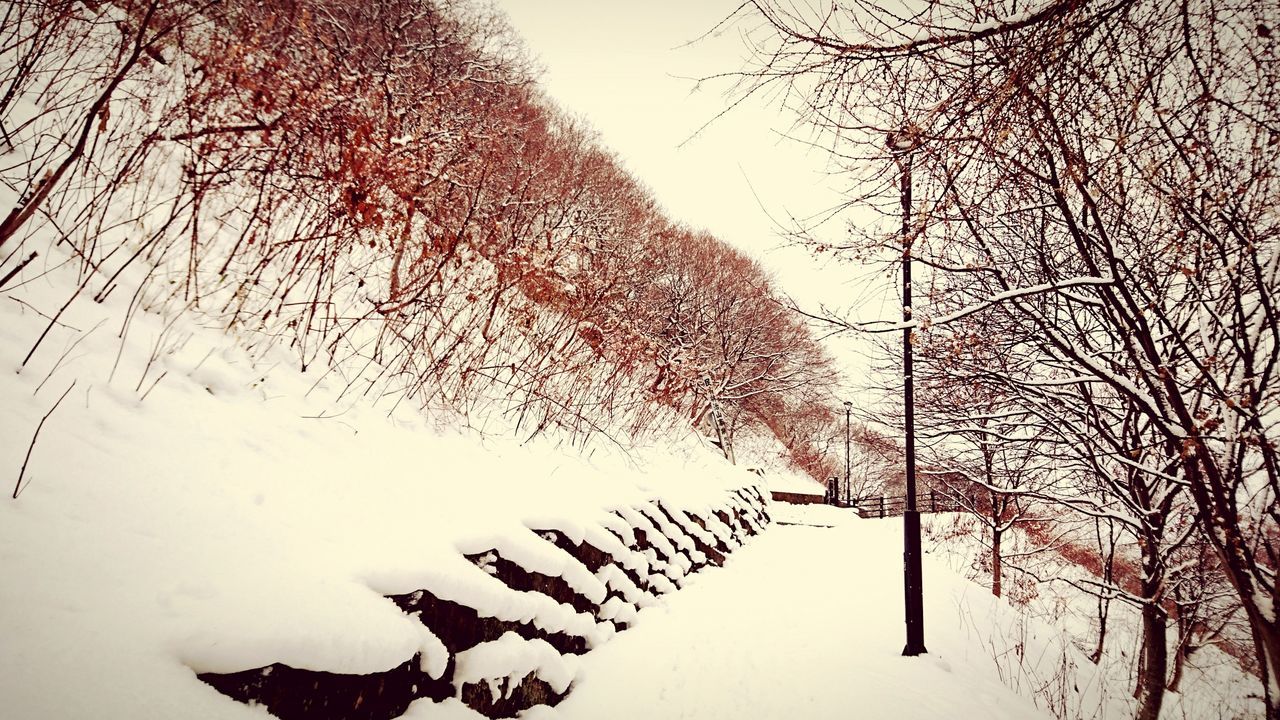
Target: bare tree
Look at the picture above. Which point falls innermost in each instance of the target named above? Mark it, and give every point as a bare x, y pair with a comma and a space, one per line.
1102, 173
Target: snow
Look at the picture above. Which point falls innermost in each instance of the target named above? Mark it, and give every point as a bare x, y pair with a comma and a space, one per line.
510, 658
535, 554
618, 610
1050, 661
793, 482
243, 514
804, 621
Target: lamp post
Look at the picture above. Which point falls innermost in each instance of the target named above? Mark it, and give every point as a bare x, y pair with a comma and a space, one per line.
901, 145
848, 480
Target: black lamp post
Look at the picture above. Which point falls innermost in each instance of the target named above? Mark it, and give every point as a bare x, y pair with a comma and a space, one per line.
848, 480
901, 145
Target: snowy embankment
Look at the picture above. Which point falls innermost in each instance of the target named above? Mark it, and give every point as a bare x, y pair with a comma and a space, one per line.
187, 509
792, 483
1046, 648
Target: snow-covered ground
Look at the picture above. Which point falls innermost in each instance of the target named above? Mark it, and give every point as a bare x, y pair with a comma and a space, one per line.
804, 622
1062, 621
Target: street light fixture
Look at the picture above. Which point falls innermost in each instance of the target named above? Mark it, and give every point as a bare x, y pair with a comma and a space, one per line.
901, 145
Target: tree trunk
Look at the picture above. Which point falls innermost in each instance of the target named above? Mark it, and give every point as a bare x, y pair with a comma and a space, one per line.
1222, 529
998, 506
1154, 665
995, 561
1155, 662
1104, 606
1266, 643
1179, 661
1184, 624
1108, 553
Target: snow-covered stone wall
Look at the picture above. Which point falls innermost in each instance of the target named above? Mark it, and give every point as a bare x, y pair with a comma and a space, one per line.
518, 647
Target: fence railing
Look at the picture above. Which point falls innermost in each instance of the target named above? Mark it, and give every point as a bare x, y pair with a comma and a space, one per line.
930, 501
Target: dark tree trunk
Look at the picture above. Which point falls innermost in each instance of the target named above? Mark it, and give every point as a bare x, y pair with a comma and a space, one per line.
1104, 606
1155, 655
1184, 619
1154, 663
995, 562
1179, 661
1108, 552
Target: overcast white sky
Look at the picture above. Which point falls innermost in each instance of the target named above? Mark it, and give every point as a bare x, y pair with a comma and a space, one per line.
625, 67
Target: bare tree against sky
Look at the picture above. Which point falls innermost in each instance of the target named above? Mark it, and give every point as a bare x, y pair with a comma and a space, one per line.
1104, 175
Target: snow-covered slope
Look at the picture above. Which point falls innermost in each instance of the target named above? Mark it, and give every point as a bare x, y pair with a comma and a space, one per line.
244, 514
793, 482
1062, 620
190, 508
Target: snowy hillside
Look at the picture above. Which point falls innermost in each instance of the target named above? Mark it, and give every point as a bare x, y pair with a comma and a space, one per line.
225, 522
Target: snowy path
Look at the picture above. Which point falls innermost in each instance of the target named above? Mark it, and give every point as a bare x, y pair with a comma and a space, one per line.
802, 623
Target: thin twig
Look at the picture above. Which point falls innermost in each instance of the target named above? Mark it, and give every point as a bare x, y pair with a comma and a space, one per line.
65, 353
54, 320
37, 311
153, 386
18, 487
